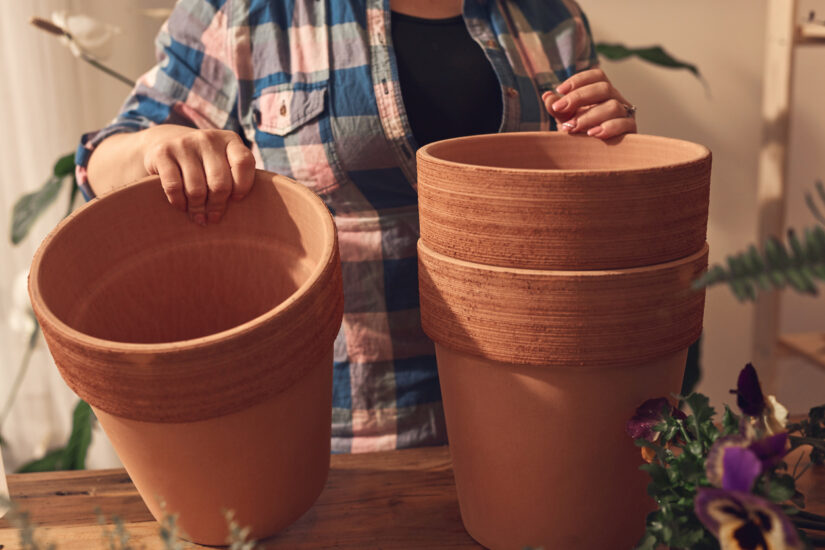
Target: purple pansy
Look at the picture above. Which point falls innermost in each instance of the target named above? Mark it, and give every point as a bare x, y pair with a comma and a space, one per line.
770, 450
649, 414
748, 392
732, 465
734, 462
761, 414
742, 521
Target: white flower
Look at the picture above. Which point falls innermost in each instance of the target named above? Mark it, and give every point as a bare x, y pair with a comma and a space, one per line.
21, 315
85, 35
775, 416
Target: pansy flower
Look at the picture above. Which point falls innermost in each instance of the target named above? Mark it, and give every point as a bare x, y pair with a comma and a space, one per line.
734, 462
648, 415
731, 465
742, 521
760, 414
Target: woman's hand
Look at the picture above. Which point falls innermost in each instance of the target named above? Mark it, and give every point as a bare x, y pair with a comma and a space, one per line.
199, 169
589, 103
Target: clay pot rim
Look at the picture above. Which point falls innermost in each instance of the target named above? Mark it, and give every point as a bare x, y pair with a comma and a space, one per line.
557, 273
102, 344
427, 154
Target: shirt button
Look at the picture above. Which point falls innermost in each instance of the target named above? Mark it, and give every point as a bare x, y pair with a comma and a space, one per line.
283, 110
512, 92
492, 44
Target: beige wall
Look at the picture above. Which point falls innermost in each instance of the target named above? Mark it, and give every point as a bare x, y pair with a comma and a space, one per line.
725, 40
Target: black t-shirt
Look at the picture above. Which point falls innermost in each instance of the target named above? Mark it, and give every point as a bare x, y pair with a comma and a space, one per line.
448, 85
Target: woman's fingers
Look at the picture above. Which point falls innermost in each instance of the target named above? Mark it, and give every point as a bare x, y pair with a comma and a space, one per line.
218, 176
194, 184
242, 166
591, 94
612, 111
201, 169
162, 163
588, 102
581, 79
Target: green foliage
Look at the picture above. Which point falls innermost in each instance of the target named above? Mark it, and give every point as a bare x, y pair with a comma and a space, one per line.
678, 470
118, 537
238, 535
796, 264
73, 455
676, 476
654, 54
812, 432
29, 207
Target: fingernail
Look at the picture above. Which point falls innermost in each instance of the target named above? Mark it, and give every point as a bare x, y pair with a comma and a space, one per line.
563, 88
214, 217
595, 131
560, 105
199, 219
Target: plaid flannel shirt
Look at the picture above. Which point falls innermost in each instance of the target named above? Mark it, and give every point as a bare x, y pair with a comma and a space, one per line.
312, 87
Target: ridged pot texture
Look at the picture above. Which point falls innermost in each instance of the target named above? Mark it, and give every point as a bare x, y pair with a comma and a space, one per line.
546, 200
189, 341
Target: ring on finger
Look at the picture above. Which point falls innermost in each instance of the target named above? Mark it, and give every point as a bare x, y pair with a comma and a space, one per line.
629, 110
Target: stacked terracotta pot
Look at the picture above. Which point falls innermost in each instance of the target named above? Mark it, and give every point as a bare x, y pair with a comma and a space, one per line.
555, 277
205, 352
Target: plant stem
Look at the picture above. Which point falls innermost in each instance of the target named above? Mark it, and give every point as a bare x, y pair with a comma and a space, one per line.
798, 460
111, 72
809, 515
805, 524
21, 374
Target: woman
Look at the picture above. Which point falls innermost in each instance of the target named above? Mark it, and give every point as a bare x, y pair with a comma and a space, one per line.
339, 95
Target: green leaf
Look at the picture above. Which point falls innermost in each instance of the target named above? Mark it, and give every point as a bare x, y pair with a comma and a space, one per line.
80, 438
49, 463
73, 455
779, 488
64, 166
730, 422
654, 54
30, 206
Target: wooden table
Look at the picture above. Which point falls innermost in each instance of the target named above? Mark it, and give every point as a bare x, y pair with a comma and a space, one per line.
389, 500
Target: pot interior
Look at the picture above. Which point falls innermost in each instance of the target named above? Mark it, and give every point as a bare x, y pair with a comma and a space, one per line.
130, 268
554, 151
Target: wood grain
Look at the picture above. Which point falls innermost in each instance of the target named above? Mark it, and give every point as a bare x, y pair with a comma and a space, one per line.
389, 500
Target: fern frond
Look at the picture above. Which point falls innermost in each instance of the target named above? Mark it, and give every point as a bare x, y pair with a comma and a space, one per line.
809, 200
797, 264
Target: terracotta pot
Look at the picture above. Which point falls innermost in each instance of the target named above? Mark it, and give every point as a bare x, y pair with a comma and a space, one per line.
206, 352
545, 200
612, 318
554, 275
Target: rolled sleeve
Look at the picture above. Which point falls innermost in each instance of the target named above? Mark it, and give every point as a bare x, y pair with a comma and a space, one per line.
193, 83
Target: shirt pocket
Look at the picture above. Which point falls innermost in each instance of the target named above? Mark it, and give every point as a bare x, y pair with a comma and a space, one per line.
293, 135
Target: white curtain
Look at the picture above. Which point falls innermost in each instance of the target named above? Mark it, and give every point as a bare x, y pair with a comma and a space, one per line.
47, 99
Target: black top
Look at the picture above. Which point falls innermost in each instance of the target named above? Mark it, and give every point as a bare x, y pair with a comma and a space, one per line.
448, 85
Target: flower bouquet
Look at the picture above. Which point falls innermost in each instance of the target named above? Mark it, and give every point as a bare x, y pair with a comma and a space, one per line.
729, 484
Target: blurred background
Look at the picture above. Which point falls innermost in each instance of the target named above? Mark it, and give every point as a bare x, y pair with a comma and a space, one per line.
48, 98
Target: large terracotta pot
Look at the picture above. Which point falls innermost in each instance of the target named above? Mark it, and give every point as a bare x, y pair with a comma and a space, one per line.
548, 338
205, 352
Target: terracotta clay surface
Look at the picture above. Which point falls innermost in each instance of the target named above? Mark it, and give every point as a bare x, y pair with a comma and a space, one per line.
540, 455
546, 200
620, 317
206, 352
146, 312
555, 278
